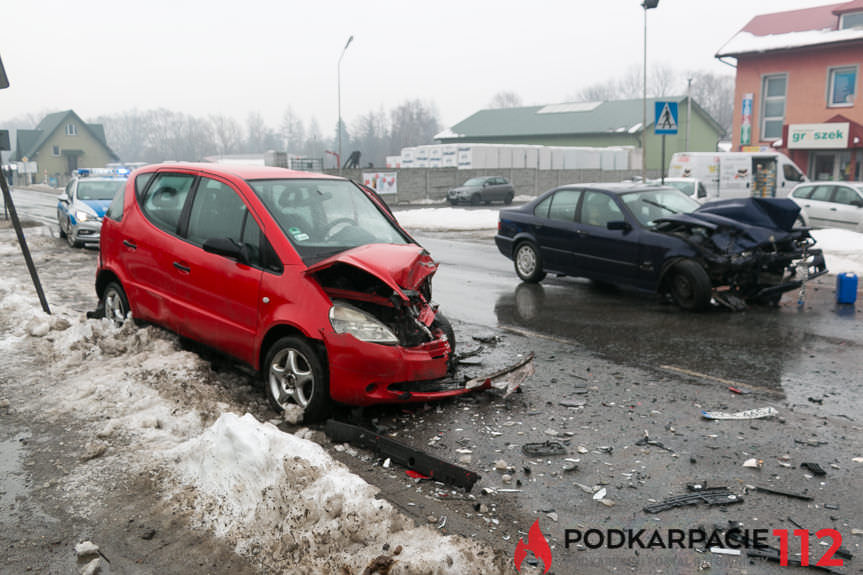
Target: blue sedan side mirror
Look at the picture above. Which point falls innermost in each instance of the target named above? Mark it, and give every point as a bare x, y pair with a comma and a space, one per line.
619, 225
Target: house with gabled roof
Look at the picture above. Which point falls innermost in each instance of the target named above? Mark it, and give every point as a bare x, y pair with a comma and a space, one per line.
591, 124
62, 143
798, 87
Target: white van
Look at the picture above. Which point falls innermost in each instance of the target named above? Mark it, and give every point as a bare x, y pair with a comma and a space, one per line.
738, 174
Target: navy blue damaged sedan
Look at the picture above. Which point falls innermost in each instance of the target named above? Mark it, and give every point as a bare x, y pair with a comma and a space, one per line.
730, 252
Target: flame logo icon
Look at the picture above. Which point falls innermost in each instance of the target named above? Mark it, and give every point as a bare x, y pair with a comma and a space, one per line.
537, 543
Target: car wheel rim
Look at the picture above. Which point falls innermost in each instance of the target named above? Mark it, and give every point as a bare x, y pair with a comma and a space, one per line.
291, 378
114, 308
526, 261
683, 289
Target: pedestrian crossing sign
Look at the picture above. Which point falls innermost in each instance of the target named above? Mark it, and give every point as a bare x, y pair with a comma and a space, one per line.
665, 118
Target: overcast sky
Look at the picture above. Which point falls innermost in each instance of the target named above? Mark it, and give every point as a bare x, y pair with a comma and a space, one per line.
217, 57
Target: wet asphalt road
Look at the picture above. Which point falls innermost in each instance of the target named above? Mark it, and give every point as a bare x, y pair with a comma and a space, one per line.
761, 348
612, 366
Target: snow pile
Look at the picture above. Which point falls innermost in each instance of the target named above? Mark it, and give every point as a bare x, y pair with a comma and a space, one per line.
285, 501
843, 250
447, 219
145, 405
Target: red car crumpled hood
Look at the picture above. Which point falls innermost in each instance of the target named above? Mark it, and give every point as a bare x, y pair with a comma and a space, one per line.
399, 266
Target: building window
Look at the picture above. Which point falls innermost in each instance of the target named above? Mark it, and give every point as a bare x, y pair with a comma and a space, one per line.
841, 87
773, 106
71, 130
55, 150
851, 20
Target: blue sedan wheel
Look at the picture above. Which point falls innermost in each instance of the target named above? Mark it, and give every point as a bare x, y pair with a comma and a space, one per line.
528, 263
690, 286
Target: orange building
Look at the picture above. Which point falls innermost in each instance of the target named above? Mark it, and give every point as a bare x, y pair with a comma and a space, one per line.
798, 88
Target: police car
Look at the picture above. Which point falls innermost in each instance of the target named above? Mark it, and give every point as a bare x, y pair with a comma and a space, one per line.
83, 203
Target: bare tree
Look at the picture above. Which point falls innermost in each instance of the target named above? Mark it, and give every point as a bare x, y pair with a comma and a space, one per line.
505, 99
256, 133
715, 93
413, 123
227, 134
293, 132
371, 137
314, 143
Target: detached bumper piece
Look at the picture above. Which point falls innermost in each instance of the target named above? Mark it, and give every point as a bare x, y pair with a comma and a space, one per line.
406, 456
507, 380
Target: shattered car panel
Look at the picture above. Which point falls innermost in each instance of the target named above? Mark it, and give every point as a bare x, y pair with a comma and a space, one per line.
731, 252
749, 246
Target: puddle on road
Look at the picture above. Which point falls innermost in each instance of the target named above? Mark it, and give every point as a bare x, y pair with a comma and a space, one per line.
14, 485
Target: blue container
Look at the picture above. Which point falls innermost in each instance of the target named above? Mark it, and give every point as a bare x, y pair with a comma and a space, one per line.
846, 288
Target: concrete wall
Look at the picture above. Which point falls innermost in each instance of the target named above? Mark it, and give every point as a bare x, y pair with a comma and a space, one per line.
418, 185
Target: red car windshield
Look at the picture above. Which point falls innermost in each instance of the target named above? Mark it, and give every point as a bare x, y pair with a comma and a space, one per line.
323, 217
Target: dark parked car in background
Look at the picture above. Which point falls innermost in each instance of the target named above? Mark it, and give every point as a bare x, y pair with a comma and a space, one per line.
482, 190
659, 239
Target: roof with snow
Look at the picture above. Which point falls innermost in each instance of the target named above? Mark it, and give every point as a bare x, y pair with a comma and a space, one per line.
572, 118
816, 26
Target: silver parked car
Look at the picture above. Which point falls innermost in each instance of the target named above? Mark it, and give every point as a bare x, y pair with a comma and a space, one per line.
483, 190
830, 204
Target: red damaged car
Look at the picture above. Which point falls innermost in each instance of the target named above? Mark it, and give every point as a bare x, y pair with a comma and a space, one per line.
305, 277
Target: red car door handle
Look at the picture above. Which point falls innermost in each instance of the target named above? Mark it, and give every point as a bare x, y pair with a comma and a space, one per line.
182, 268
130, 245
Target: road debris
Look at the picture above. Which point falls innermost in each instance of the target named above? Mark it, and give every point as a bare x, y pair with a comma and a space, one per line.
754, 463
647, 441
814, 468
543, 448
758, 413
724, 551
572, 402
801, 496
435, 468
508, 379
710, 496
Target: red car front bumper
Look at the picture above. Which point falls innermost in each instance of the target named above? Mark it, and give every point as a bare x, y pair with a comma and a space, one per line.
366, 373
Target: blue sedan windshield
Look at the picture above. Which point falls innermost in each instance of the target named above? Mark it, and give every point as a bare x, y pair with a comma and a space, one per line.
650, 205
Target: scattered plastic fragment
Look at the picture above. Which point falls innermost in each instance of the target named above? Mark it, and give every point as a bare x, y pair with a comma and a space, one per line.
572, 402
647, 441
757, 413
543, 448
710, 496
814, 468
754, 463
724, 551
738, 391
802, 496
415, 474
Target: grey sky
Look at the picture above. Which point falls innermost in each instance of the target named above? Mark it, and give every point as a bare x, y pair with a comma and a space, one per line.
216, 57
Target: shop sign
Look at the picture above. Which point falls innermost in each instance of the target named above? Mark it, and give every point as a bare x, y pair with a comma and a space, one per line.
812, 136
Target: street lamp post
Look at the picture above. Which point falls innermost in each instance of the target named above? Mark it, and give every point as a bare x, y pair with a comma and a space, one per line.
646, 4
339, 128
